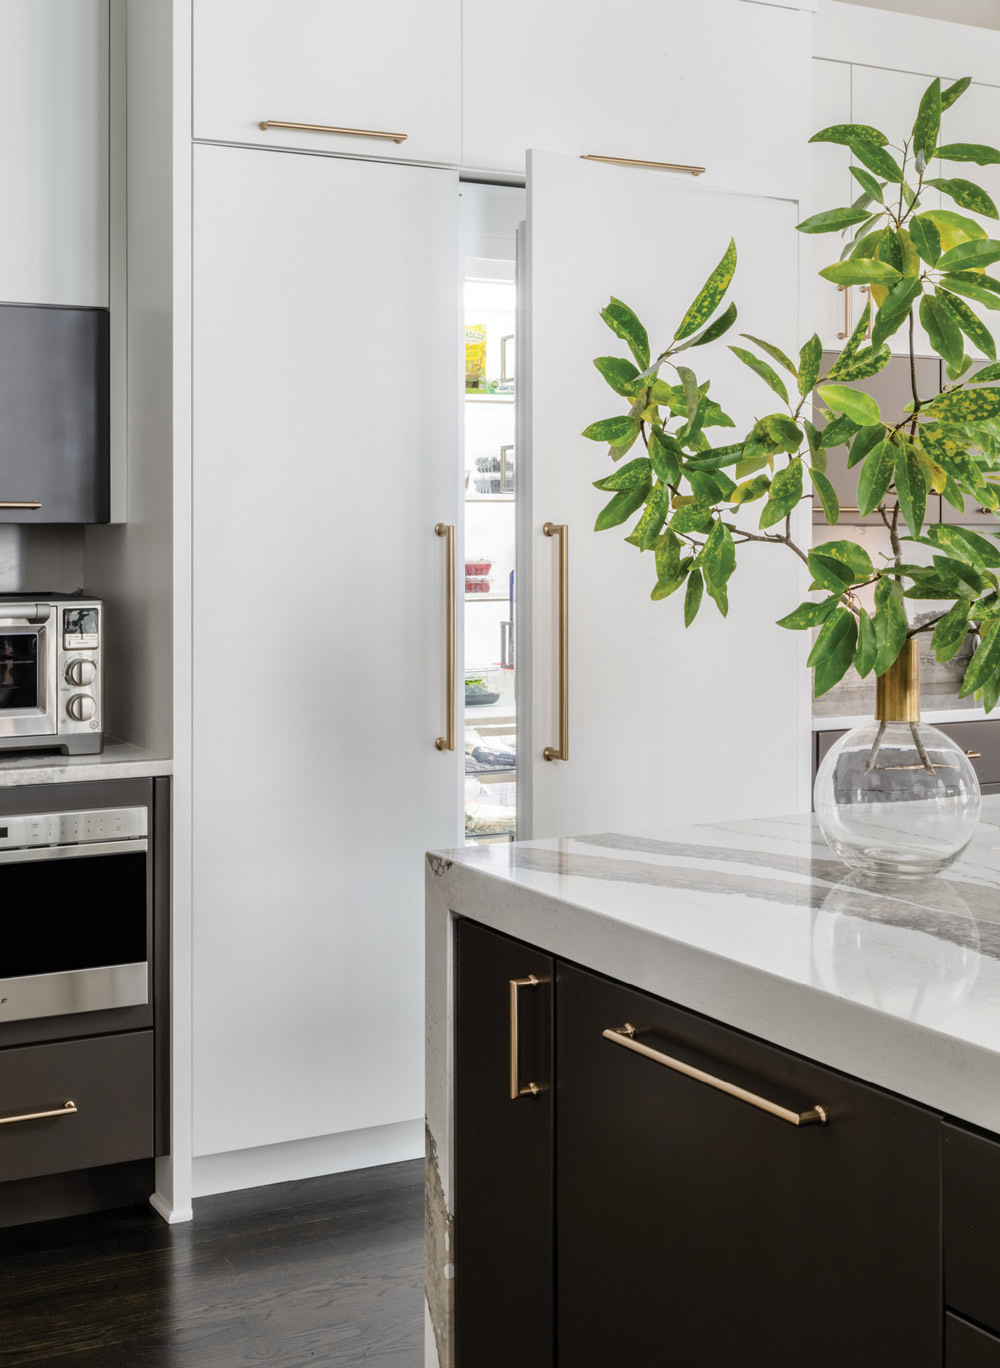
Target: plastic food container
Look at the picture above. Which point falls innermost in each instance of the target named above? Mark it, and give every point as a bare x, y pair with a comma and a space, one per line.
475, 584
478, 566
482, 686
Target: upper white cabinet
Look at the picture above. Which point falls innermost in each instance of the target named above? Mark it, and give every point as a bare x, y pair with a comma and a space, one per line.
54, 164
379, 67
831, 186
720, 84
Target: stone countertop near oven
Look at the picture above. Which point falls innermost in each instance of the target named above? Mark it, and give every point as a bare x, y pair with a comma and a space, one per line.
118, 760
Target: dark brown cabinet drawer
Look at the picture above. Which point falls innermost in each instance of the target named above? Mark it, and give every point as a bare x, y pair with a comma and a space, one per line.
980, 740
966, 1346
110, 1081
971, 1167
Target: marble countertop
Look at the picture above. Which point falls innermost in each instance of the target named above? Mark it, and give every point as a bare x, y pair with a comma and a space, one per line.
118, 760
757, 924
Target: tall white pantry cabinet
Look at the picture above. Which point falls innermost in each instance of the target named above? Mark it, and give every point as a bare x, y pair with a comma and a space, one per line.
318, 380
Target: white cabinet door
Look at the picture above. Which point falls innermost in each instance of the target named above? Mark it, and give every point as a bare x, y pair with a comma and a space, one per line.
54, 162
326, 370
889, 100
719, 84
975, 118
835, 310
665, 726
382, 66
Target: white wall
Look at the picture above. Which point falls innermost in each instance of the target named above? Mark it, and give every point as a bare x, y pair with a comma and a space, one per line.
984, 13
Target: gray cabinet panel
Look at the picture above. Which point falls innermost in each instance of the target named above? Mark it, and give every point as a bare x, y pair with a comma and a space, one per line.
892, 390
980, 739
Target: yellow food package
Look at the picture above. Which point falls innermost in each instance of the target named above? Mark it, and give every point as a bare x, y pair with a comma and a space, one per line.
475, 356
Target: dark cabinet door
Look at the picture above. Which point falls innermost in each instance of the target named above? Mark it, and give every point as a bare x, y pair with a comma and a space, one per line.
503, 1152
694, 1229
966, 1346
54, 414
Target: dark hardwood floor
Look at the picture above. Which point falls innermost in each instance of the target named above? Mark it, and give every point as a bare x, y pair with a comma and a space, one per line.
321, 1271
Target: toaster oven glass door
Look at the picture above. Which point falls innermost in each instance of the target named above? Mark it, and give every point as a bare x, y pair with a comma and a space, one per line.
26, 674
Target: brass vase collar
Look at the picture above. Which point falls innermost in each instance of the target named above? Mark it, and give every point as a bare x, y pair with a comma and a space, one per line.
897, 692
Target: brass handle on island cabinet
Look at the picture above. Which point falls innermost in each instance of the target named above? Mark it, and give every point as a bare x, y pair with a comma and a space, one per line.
67, 1109
625, 1036
529, 1089
447, 742
265, 124
974, 755
561, 531
14, 503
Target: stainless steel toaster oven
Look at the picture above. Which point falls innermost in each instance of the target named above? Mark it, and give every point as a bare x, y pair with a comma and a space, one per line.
51, 677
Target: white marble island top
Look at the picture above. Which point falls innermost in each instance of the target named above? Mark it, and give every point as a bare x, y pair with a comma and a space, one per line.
756, 924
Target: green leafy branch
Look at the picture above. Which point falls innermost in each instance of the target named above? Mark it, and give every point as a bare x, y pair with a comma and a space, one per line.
689, 494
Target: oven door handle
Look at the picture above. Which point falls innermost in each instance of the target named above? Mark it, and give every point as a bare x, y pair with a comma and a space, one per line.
32, 854
24, 612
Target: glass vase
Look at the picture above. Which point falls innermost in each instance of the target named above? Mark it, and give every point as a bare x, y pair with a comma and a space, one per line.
896, 796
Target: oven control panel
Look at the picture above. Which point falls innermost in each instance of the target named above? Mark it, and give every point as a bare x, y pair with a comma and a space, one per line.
25, 831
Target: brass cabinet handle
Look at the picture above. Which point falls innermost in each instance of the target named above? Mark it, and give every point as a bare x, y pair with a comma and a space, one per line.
265, 124
13, 503
634, 161
529, 1089
624, 1035
447, 742
561, 530
847, 312
67, 1109
974, 755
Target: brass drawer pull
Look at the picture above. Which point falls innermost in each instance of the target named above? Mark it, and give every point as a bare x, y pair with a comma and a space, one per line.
656, 166
67, 1109
447, 742
13, 503
624, 1035
265, 124
529, 1089
561, 530
974, 755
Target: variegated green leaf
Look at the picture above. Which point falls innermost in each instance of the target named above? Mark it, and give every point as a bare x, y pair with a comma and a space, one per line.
867, 650
867, 182
861, 408
957, 284
848, 553
951, 93
827, 496
969, 152
967, 195
970, 255
618, 372
951, 631
666, 455
832, 220
862, 366
890, 623
942, 329
631, 476
714, 330
926, 237
615, 431
624, 324
831, 656
649, 526
710, 295
622, 506
967, 405
767, 373
876, 476
692, 597
717, 560
774, 352
928, 122
809, 614
810, 360
911, 488
973, 327
785, 493
861, 271
848, 134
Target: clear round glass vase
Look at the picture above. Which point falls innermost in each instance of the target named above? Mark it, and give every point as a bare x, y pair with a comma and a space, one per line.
896, 796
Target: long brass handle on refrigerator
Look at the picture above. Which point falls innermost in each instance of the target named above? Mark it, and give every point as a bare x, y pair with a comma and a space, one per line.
654, 165
13, 503
67, 1109
847, 312
529, 1089
561, 531
624, 1035
447, 742
265, 124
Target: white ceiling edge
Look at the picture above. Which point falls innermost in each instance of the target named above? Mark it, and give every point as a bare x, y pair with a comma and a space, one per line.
905, 42
976, 13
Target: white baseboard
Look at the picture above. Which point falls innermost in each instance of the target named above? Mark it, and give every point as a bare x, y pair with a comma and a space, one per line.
172, 1215
321, 1154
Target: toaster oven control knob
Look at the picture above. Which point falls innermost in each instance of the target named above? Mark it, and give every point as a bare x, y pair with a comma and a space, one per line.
81, 707
81, 672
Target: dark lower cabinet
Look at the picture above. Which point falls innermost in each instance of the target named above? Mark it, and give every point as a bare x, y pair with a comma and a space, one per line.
503, 1152
966, 1346
631, 1215
694, 1228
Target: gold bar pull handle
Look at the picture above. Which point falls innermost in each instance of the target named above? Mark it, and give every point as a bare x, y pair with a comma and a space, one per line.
974, 755
529, 1089
67, 1109
653, 165
265, 124
625, 1036
447, 742
847, 312
14, 503
561, 530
